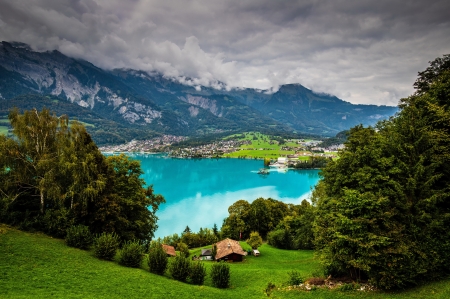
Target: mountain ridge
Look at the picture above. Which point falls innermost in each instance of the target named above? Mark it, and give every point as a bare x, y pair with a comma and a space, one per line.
152, 102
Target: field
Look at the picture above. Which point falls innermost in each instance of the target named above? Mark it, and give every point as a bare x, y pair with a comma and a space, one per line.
37, 266
262, 146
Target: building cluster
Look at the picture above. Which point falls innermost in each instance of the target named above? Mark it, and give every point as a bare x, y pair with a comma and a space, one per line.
214, 149
157, 144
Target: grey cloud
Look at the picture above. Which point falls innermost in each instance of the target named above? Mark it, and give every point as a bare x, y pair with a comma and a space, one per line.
361, 51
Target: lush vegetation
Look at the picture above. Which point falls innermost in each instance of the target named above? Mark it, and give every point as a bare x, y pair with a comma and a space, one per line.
270, 218
52, 177
383, 208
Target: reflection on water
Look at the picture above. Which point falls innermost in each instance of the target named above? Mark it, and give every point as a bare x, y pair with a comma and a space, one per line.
198, 192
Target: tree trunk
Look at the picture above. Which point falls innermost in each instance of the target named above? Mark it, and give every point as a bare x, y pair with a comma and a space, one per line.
42, 202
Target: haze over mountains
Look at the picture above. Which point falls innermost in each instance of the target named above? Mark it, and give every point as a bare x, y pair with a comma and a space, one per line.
144, 104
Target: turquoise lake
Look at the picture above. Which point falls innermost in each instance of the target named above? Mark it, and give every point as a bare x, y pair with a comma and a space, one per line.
198, 192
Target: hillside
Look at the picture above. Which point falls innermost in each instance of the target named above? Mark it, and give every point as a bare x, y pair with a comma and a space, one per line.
37, 266
151, 102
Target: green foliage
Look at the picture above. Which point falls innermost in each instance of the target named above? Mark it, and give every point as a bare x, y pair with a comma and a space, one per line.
183, 249
382, 208
255, 240
131, 254
214, 252
294, 278
79, 236
53, 176
157, 258
106, 245
280, 238
220, 275
261, 216
180, 268
197, 273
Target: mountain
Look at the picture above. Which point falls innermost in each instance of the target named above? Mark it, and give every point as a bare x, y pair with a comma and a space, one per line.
152, 103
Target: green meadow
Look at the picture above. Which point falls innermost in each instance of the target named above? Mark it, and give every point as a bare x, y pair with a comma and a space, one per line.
33, 265
261, 146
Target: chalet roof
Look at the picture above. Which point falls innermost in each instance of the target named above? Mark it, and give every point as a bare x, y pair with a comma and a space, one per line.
227, 247
206, 252
170, 250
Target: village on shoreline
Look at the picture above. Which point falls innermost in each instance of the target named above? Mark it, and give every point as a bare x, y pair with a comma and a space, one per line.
293, 150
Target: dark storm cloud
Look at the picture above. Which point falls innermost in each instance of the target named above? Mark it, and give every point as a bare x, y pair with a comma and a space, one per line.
361, 51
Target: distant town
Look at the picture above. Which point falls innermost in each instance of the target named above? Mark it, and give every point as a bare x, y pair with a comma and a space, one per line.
222, 148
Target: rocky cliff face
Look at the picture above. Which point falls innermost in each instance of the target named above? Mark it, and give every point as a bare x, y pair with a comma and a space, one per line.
79, 82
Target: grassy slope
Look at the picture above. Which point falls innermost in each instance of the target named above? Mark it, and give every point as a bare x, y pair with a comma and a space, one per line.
36, 266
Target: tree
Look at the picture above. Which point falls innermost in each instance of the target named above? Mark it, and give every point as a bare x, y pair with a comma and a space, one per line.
183, 249
382, 208
53, 176
35, 169
255, 240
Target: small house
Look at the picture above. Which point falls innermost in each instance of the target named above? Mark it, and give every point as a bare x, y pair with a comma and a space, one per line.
206, 255
229, 250
170, 250
255, 252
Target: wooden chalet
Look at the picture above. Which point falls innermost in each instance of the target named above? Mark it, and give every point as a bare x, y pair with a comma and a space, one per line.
170, 250
229, 250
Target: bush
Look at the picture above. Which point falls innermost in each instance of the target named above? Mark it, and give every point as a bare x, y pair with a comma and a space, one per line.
157, 258
198, 273
294, 278
220, 275
79, 237
280, 238
106, 245
131, 254
183, 249
180, 268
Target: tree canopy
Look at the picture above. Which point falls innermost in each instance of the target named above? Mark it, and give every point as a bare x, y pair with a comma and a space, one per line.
383, 208
53, 176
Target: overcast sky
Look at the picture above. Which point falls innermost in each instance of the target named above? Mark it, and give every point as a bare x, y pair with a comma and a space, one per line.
361, 51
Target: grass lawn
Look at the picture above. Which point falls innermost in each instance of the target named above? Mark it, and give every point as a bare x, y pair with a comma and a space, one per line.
37, 266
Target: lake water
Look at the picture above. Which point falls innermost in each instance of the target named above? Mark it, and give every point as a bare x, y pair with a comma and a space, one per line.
198, 192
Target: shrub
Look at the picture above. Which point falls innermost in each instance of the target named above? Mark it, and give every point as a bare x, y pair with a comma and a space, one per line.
106, 245
294, 278
255, 240
280, 238
198, 273
131, 254
180, 268
183, 249
157, 258
220, 275
79, 236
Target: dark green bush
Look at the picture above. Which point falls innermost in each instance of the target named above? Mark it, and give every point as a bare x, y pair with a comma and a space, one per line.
198, 273
131, 254
157, 258
106, 245
179, 268
79, 236
294, 278
220, 275
280, 238
183, 249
